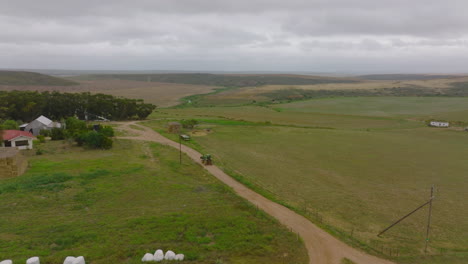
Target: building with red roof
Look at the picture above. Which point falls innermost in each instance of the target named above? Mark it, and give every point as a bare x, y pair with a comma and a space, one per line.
18, 139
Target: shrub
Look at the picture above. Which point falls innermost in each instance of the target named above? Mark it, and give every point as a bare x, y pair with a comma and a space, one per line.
107, 131
95, 140
191, 123
41, 138
57, 134
45, 133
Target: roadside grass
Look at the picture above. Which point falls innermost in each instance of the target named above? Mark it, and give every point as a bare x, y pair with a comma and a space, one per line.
353, 181
114, 206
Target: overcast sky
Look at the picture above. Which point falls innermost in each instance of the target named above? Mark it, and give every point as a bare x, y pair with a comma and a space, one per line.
237, 35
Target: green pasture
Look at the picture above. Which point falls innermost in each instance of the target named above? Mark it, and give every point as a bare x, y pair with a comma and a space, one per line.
383, 106
114, 206
353, 172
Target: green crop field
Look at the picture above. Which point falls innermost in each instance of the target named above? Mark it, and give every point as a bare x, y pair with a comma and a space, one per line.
114, 206
353, 165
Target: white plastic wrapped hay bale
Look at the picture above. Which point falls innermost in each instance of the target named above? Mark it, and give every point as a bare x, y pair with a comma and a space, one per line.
158, 255
6, 261
69, 260
33, 260
79, 260
170, 255
179, 257
147, 257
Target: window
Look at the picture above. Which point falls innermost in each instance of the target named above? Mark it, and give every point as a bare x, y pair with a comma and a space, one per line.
22, 143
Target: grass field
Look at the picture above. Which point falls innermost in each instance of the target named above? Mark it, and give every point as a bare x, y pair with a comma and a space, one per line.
114, 206
289, 92
356, 163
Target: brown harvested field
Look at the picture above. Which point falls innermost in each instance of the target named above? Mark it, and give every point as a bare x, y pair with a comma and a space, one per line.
160, 94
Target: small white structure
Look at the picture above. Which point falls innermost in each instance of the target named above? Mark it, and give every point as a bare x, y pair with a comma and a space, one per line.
159, 255
439, 124
39, 124
33, 260
79, 260
179, 257
7, 261
69, 260
170, 255
18, 139
147, 257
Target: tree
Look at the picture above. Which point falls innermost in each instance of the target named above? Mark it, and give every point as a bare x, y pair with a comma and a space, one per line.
10, 124
190, 123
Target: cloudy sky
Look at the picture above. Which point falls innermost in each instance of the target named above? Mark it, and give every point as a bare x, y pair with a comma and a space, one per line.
236, 35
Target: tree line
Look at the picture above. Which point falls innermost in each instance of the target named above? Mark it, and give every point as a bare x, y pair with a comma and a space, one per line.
28, 105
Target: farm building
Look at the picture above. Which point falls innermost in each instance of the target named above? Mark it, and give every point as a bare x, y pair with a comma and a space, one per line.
12, 163
18, 139
439, 124
174, 127
39, 124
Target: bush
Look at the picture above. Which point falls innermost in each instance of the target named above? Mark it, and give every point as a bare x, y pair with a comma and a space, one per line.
41, 138
95, 140
39, 151
191, 123
45, 133
107, 131
57, 134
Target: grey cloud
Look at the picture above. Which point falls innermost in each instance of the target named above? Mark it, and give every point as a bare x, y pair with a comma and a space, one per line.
238, 34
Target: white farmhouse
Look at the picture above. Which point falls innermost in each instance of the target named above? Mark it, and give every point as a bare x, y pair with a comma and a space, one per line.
18, 139
439, 124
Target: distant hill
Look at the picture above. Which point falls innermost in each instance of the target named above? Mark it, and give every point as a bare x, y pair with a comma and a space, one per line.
31, 78
404, 77
226, 80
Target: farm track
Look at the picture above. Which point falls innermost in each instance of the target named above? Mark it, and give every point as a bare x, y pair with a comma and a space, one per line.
322, 247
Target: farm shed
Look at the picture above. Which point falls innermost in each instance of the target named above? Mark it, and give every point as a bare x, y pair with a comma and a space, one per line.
12, 163
18, 139
174, 127
39, 124
439, 124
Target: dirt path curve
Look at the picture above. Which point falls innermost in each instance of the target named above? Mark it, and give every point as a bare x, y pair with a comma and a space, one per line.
322, 247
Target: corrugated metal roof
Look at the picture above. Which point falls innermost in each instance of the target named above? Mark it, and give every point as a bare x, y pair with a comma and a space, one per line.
44, 120
12, 134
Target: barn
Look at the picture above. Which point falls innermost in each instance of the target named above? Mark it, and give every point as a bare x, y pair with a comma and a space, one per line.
18, 139
39, 124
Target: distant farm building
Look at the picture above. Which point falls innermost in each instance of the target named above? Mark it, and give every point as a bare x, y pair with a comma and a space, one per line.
17, 139
174, 127
185, 137
39, 124
12, 163
439, 124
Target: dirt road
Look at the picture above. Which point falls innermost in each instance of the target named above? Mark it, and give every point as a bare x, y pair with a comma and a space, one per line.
321, 246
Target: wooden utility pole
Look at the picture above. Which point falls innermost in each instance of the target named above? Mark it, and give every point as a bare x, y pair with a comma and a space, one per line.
429, 219
412, 212
180, 150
